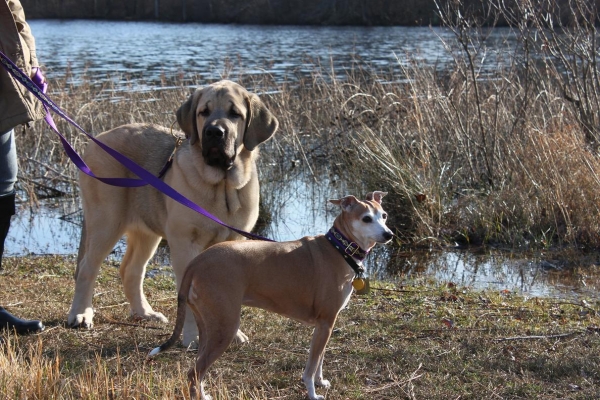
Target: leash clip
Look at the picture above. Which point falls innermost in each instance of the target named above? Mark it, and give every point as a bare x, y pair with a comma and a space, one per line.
178, 141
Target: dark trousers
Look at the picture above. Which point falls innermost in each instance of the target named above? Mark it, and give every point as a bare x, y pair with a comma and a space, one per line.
7, 210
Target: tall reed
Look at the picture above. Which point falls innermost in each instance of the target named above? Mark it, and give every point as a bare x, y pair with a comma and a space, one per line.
503, 147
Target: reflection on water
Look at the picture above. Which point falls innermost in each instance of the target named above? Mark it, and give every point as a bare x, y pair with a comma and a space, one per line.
532, 275
151, 50
297, 205
130, 52
49, 229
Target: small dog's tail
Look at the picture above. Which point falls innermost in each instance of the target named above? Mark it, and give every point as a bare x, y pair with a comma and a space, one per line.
181, 308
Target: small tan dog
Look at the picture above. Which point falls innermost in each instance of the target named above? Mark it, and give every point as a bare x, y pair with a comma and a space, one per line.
308, 280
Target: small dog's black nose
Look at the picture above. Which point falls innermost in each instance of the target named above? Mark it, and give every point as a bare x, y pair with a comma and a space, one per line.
215, 132
388, 235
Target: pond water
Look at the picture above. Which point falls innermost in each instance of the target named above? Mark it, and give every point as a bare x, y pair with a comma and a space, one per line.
141, 54
128, 52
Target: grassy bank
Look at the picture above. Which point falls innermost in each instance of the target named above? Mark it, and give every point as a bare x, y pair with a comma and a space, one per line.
405, 340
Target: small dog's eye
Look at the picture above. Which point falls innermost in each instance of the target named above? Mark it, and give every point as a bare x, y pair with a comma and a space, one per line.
384, 216
367, 219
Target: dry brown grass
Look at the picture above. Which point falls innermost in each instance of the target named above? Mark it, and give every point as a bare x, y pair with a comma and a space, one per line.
414, 340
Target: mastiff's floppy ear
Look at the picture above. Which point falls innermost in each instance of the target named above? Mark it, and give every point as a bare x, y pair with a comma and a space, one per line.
186, 116
260, 123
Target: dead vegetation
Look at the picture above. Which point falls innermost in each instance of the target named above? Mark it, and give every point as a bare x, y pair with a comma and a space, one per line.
405, 340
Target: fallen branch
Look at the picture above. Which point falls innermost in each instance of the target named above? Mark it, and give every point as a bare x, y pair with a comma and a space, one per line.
535, 337
401, 290
113, 322
445, 330
113, 305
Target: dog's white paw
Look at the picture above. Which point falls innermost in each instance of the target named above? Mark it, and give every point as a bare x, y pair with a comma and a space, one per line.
150, 315
83, 320
323, 383
190, 338
310, 387
240, 337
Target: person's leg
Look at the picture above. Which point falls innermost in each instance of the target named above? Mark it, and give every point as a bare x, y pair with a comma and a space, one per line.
8, 178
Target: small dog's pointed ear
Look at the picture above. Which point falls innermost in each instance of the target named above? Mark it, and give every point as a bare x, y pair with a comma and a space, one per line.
186, 117
261, 124
345, 202
377, 196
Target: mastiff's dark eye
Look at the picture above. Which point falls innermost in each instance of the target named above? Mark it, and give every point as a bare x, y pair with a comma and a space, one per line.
367, 219
204, 113
234, 114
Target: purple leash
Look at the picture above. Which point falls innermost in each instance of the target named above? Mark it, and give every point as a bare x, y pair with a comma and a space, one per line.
146, 177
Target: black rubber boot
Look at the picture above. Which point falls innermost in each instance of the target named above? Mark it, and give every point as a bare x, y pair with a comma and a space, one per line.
21, 326
7, 320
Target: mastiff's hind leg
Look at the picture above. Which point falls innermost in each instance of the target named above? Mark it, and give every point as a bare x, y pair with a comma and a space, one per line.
97, 241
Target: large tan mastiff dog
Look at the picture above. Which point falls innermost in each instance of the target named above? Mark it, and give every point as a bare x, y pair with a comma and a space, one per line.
308, 280
215, 168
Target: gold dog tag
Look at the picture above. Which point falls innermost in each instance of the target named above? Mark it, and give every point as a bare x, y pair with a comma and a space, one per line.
361, 285
358, 283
